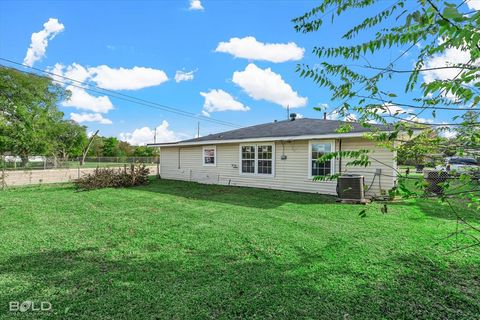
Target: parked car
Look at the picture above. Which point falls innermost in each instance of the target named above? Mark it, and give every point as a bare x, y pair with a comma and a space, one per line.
460, 165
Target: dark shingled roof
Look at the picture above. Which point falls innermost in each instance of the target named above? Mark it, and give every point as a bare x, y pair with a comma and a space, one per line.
288, 128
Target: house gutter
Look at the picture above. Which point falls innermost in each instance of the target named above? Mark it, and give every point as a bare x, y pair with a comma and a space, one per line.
263, 139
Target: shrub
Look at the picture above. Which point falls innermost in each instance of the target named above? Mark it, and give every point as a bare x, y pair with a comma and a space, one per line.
114, 178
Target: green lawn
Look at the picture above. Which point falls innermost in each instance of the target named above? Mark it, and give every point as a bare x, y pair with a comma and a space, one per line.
188, 251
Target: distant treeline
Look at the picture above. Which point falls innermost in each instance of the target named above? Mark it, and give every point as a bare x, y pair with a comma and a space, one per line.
32, 125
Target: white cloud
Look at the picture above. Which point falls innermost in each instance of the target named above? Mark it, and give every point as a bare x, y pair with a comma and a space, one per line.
82, 100
350, 118
184, 75
219, 100
77, 72
110, 78
451, 57
57, 69
146, 135
473, 4
40, 39
89, 117
250, 48
267, 85
126, 79
196, 5
299, 115
205, 113
448, 133
333, 115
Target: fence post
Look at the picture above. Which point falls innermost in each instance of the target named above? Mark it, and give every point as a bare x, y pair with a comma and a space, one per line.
2, 178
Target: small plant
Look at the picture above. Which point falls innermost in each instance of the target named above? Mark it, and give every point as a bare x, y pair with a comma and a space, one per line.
114, 178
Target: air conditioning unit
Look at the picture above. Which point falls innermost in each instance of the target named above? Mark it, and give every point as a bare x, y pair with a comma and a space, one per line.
350, 188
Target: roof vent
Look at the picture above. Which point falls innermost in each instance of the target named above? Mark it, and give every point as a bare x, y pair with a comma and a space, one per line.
293, 116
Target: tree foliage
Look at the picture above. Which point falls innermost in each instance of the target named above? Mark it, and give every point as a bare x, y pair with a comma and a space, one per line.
421, 30
28, 112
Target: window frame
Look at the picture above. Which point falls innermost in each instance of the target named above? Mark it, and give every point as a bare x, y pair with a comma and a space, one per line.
214, 156
256, 145
332, 162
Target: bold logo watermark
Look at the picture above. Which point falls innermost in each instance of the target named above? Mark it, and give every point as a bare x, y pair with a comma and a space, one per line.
24, 306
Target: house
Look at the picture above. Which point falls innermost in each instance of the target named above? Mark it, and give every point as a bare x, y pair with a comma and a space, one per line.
279, 155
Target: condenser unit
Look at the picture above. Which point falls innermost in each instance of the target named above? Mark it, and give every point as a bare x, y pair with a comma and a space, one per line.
350, 187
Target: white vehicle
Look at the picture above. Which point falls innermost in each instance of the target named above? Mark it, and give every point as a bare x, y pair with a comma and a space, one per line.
460, 165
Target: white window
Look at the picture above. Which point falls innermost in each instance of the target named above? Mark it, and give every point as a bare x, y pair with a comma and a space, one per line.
209, 156
316, 150
257, 159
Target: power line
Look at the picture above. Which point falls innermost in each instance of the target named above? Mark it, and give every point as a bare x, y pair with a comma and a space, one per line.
121, 96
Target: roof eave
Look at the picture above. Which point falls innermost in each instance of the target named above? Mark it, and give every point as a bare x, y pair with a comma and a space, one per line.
285, 138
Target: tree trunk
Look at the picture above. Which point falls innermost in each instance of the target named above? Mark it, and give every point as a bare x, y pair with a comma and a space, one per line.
24, 161
85, 151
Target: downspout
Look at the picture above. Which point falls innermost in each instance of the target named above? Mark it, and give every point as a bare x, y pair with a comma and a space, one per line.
179, 157
340, 156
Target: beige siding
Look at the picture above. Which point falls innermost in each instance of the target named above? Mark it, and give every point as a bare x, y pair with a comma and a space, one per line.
185, 163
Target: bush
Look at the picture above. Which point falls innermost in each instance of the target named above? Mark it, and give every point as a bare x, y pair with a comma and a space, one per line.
114, 178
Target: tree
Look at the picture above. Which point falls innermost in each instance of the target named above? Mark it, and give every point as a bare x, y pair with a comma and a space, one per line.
143, 151
421, 149
96, 147
125, 148
111, 147
433, 25
423, 30
69, 139
27, 113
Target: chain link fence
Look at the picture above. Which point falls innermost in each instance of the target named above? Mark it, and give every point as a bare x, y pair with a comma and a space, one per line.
12, 163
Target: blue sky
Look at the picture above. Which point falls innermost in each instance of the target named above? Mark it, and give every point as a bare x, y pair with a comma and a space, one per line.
107, 40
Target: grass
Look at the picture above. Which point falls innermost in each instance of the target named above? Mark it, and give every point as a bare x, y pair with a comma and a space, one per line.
187, 251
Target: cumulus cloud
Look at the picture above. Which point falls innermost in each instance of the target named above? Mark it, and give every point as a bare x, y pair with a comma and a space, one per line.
40, 39
333, 115
82, 100
75, 78
110, 78
350, 118
146, 135
219, 100
184, 75
126, 79
250, 48
196, 5
451, 57
264, 84
89, 117
473, 4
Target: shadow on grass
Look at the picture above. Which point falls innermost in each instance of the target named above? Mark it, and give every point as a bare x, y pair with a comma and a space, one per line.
84, 284
433, 208
238, 196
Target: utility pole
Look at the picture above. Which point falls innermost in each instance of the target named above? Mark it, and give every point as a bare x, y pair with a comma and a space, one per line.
155, 135
288, 112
